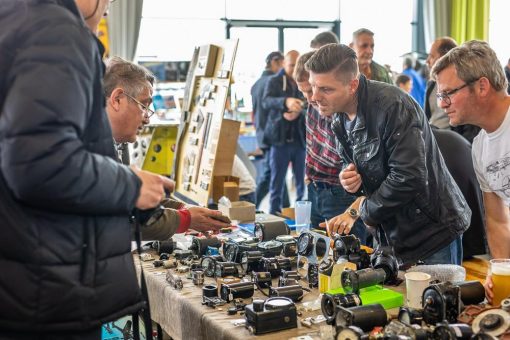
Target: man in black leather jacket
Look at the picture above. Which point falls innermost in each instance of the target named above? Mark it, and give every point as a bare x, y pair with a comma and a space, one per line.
394, 165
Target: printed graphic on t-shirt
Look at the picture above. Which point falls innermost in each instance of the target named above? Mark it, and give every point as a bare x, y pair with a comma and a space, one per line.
498, 175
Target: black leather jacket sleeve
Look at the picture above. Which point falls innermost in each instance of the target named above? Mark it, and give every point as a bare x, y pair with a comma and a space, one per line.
53, 96
404, 148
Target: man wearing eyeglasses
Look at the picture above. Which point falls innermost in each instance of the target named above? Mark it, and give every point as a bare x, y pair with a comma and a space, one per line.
472, 89
391, 162
128, 89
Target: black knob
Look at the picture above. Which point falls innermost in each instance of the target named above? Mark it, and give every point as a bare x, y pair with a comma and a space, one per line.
258, 305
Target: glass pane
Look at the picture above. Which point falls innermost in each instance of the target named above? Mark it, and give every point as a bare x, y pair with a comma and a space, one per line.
197, 9
320, 10
175, 39
393, 32
498, 27
299, 38
254, 46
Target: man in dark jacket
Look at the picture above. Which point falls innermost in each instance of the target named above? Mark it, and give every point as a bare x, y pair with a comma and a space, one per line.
394, 165
64, 198
285, 131
274, 62
456, 152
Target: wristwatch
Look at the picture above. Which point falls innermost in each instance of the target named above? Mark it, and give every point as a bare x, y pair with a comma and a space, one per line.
353, 213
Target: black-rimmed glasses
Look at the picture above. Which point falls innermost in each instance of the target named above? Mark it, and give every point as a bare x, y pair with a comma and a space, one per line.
445, 95
146, 110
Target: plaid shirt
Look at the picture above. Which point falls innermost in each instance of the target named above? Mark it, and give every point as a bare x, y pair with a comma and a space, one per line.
323, 164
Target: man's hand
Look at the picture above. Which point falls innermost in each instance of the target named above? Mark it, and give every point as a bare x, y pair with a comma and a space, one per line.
290, 116
202, 219
341, 224
489, 294
293, 104
350, 179
152, 190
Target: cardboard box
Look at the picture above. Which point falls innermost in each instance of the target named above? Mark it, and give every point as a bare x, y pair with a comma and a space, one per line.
240, 211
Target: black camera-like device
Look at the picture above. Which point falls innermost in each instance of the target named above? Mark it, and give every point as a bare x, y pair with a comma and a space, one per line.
199, 245
208, 264
295, 292
365, 317
250, 261
445, 301
274, 314
275, 265
240, 290
233, 249
348, 247
270, 230
331, 302
385, 259
289, 245
224, 269
289, 278
270, 248
355, 280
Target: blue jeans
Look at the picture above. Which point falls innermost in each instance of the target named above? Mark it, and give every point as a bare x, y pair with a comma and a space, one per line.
451, 254
330, 202
248, 197
280, 157
263, 180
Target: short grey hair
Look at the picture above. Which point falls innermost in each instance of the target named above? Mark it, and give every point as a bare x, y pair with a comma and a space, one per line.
334, 57
361, 31
472, 60
131, 77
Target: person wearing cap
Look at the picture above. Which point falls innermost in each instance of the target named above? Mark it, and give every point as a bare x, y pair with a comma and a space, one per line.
274, 62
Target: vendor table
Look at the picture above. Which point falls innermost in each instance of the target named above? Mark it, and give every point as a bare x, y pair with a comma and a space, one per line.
181, 315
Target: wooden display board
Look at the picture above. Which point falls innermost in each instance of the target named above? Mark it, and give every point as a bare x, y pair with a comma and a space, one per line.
207, 142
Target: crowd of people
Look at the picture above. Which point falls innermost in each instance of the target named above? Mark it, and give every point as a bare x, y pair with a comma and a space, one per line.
374, 163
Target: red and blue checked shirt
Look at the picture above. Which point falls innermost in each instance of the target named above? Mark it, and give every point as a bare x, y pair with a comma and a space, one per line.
323, 164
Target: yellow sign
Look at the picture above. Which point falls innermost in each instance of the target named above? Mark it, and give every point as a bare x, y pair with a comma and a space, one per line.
102, 34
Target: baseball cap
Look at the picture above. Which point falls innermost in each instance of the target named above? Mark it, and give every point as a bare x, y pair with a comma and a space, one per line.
276, 55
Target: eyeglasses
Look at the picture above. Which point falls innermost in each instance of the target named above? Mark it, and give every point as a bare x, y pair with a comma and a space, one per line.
446, 95
146, 110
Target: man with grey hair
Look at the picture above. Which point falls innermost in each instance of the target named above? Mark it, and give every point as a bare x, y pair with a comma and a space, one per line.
128, 90
322, 39
472, 89
363, 44
392, 162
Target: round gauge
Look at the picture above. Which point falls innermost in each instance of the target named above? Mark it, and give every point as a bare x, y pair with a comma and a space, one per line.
208, 264
230, 252
278, 303
305, 244
258, 231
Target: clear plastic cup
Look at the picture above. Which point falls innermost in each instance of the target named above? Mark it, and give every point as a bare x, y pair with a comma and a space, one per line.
303, 211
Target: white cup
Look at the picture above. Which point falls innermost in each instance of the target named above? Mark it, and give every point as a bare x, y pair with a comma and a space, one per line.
303, 211
416, 282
